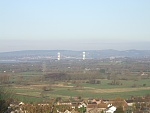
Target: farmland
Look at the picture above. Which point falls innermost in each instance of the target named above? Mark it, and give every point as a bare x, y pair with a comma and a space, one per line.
44, 80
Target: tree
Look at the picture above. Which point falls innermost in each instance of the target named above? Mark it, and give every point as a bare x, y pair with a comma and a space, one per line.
102, 111
5, 96
102, 71
82, 109
3, 106
4, 78
58, 99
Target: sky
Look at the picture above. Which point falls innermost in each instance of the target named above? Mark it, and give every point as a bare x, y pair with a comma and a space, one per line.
74, 24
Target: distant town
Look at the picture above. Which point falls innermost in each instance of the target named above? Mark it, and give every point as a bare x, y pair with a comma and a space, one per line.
69, 54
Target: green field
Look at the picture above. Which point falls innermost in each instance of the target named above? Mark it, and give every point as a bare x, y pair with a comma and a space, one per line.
35, 93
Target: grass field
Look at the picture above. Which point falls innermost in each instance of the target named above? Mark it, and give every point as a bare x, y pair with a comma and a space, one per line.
35, 93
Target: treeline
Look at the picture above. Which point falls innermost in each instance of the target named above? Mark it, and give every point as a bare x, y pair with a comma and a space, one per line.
91, 76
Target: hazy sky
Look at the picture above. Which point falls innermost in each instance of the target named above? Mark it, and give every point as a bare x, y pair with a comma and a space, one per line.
74, 24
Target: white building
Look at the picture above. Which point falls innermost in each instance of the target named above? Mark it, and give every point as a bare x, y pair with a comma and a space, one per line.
83, 55
58, 56
110, 109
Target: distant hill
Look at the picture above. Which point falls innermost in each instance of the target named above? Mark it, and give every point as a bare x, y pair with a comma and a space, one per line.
92, 54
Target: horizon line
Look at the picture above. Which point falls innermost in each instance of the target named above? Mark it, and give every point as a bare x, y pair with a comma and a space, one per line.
76, 50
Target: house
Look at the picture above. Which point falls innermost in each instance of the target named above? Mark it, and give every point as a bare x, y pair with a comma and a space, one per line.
102, 106
44, 104
73, 111
67, 111
130, 102
144, 74
96, 108
106, 101
64, 103
82, 105
21, 103
96, 101
119, 102
110, 109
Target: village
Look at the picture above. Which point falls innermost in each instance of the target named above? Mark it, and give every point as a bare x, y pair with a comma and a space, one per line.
78, 105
